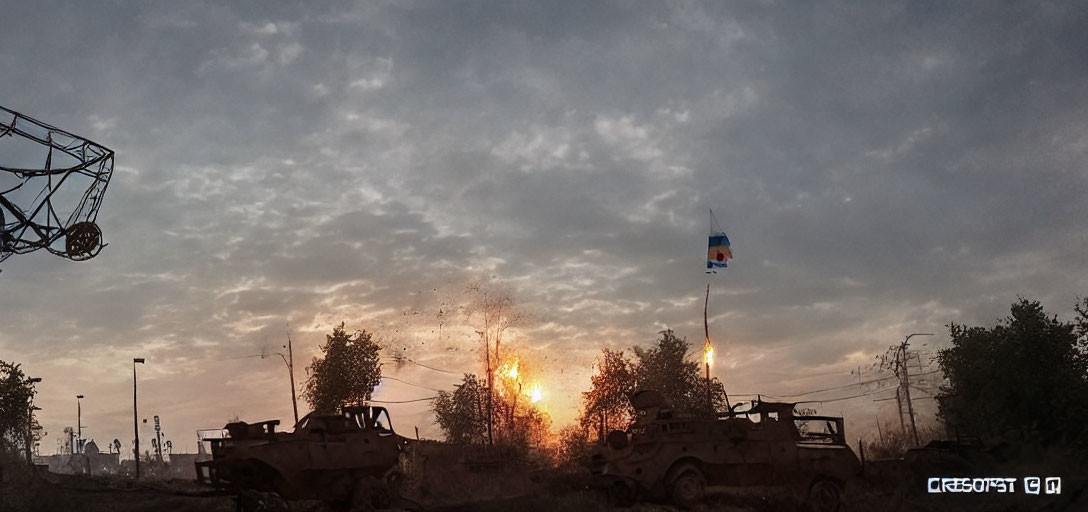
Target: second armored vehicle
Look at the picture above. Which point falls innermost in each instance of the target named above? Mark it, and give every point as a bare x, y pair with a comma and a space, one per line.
667, 454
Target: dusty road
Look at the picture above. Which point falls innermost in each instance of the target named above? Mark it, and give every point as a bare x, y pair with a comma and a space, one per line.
53, 492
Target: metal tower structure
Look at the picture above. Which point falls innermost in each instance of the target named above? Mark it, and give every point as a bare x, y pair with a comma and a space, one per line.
51, 186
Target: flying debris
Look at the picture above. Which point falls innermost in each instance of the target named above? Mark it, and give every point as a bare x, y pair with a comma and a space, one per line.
51, 186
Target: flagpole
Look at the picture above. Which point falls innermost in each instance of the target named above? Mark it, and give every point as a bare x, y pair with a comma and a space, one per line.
706, 355
706, 352
707, 348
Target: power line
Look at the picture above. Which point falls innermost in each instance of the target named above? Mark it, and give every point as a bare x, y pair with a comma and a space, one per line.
244, 357
409, 383
401, 401
840, 387
926, 391
859, 384
842, 398
409, 360
433, 368
794, 375
854, 384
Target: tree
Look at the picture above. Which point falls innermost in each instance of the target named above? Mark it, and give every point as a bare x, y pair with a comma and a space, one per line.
574, 447
347, 374
1025, 378
1081, 308
496, 310
665, 367
518, 427
606, 403
461, 414
893, 442
16, 393
494, 307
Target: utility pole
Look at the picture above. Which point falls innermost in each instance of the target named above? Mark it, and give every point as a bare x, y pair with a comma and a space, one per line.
289, 361
291, 368
487, 353
899, 407
905, 383
79, 425
135, 423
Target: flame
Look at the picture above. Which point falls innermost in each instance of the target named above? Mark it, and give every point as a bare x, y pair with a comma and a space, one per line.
708, 354
537, 394
513, 372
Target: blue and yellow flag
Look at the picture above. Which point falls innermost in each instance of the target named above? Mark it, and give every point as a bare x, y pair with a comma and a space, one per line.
718, 251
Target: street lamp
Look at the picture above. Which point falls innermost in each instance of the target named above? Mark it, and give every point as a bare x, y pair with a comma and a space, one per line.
79, 425
30, 419
135, 424
288, 360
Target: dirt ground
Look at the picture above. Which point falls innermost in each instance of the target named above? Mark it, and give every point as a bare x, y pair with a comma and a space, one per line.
449, 488
91, 494
54, 492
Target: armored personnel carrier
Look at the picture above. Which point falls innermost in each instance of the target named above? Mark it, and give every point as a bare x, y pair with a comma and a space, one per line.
665, 454
349, 458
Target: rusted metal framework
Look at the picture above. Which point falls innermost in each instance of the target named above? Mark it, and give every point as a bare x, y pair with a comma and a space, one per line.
51, 186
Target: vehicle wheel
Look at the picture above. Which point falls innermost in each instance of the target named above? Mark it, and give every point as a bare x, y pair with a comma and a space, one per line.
824, 496
253, 475
688, 487
253, 501
394, 480
370, 494
621, 495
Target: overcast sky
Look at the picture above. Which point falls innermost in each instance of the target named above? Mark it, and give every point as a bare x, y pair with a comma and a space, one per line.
881, 169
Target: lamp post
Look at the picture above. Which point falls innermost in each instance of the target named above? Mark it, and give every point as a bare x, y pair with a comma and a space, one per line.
135, 423
79, 425
291, 368
288, 360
